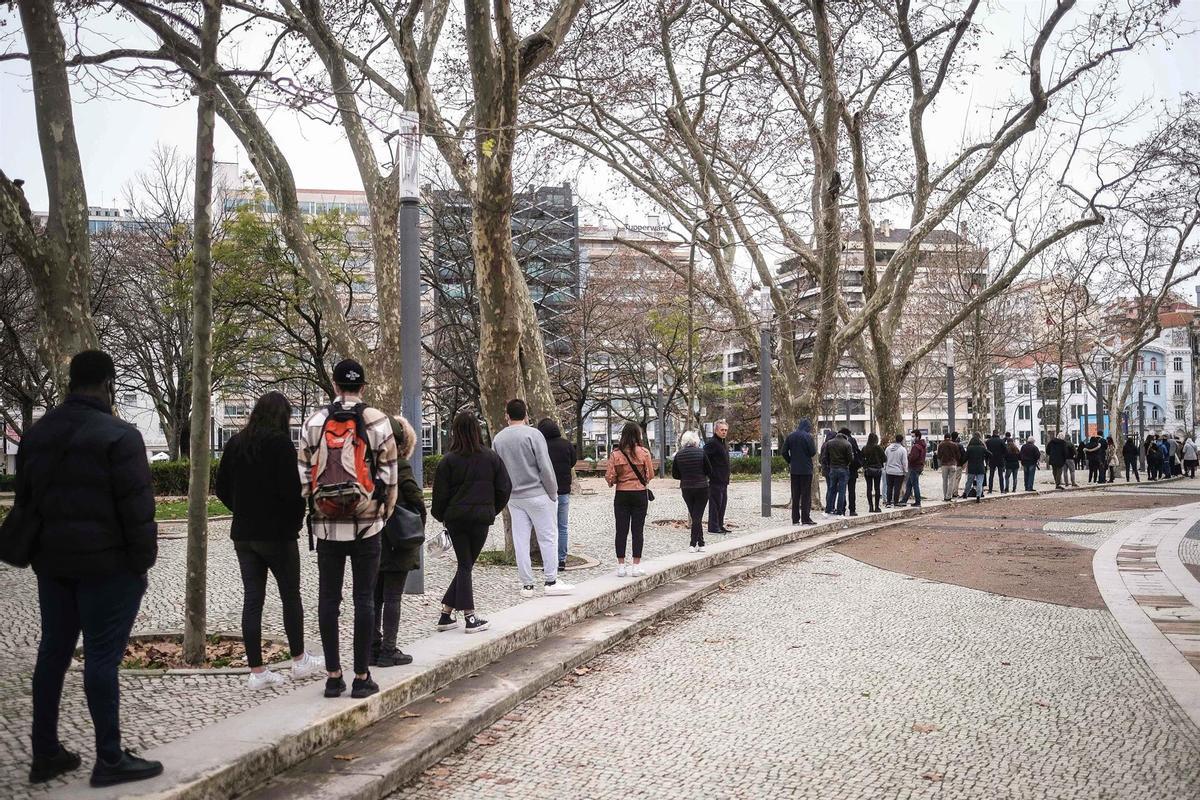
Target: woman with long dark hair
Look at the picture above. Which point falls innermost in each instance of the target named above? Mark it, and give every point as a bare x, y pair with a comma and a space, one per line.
630, 469
258, 481
471, 486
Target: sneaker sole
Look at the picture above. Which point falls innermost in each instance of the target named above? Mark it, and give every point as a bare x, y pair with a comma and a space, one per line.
363, 695
119, 779
478, 628
443, 628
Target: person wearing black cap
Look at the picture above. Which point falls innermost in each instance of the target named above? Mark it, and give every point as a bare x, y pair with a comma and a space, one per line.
348, 467
84, 472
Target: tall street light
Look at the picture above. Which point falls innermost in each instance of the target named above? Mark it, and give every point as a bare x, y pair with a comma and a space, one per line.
764, 382
949, 387
408, 165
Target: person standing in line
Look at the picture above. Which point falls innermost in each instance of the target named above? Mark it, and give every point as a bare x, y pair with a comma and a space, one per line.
996, 451
852, 475
823, 460
348, 464
1030, 456
691, 468
630, 470
978, 461
895, 468
873, 459
839, 455
962, 461
533, 504
1172, 455
83, 474
1153, 458
916, 466
947, 454
798, 450
1081, 456
1069, 464
1012, 464
395, 562
1057, 458
257, 482
1129, 454
1093, 459
1110, 457
718, 480
1190, 457
563, 457
470, 487
1165, 469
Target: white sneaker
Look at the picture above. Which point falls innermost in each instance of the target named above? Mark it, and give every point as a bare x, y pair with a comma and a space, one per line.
700, 549
264, 680
637, 571
692, 548
621, 573
306, 667
559, 588
527, 591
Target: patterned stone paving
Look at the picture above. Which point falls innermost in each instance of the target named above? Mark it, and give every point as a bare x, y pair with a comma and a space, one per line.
1164, 603
832, 679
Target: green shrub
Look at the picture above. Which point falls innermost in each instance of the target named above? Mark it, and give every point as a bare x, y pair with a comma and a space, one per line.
8, 483
752, 465
3, 512
429, 465
170, 478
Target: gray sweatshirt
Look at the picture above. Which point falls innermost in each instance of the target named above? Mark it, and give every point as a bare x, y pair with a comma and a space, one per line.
523, 450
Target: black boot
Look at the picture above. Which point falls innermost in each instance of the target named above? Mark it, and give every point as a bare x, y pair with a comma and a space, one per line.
45, 769
125, 769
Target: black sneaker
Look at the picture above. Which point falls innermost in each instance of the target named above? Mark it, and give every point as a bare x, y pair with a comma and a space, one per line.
364, 687
393, 658
126, 769
562, 566
45, 769
446, 622
335, 686
476, 624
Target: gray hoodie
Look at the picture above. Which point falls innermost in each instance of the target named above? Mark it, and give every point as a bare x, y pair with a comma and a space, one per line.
523, 450
897, 459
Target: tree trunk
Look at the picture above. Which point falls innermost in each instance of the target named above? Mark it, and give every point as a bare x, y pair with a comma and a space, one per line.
887, 407
58, 263
195, 592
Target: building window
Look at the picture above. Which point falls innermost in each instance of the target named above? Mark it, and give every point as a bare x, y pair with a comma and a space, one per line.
1153, 365
1157, 387
1023, 412
1106, 364
129, 399
1179, 388
1078, 411
1076, 386
1178, 364
1179, 413
1022, 386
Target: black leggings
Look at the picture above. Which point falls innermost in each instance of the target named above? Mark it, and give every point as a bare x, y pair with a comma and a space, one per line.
281, 559
331, 569
695, 500
468, 541
630, 511
389, 591
1132, 465
873, 482
894, 484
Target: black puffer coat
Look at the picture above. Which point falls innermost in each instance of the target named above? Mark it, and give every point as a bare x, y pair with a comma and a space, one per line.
261, 486
97, 505
691, 468
470, 488
562, 454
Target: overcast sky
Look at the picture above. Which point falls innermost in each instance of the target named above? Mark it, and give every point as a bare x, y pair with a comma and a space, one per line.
116, 135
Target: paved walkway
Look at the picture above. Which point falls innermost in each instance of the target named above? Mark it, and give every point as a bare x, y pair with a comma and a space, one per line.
831, 679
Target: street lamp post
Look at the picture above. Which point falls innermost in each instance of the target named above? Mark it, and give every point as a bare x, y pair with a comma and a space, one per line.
662, 427
949, 387
1141, 425
764, 375
408, 161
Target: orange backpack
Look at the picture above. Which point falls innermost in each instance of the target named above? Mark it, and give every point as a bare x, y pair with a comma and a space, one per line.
342, 480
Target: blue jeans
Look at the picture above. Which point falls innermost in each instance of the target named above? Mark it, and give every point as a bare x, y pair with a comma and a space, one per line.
975, 480
913, 486
564, 503
837, 479
1030, 469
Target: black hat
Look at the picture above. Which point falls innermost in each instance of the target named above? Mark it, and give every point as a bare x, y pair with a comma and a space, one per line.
349, 372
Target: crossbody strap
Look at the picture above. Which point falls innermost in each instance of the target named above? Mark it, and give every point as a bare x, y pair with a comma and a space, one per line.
633, 466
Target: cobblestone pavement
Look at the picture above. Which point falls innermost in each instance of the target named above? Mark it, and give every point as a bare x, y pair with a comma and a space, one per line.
159, 709
832, 679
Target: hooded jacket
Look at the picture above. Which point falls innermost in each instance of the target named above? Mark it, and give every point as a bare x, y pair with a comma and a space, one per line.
996, 450
897, 459
799, 449
1057, 451
1189, 450
916, 455
1130, 452
562, 454
1030, 454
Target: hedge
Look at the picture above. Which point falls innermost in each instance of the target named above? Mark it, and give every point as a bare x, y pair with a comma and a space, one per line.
752, 465
170, 478
8, 483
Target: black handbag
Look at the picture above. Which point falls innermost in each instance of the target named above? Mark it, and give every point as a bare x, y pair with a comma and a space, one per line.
640, 477
404, 528
22, 528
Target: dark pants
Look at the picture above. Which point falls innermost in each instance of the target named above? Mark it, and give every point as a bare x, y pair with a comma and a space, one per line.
103, 608
364, 569
1189, 466
468, 541
696, 500
801, 498
894, 483
1057, 469
389, 591
1132, 465
630, 510
873, 482
1030, 471
912, 486
282, 560
1152, 470
993, 471
851, 488
1010, 477
718, 496
835, 496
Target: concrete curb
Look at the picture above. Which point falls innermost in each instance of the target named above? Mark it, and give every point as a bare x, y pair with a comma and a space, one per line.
242, 751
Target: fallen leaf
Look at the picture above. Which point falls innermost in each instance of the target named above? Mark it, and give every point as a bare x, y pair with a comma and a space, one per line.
440, 772
1042, 703
924, 727
866, 694
933, 777
348, 758
504, 781
582, 670
444, 700
485, 741
1006, 663
408, 715
485, 776
609, 614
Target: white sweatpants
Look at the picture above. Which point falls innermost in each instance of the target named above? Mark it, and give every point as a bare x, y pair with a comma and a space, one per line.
541, 514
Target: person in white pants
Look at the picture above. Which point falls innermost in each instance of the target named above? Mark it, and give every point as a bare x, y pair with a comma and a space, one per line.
534, 501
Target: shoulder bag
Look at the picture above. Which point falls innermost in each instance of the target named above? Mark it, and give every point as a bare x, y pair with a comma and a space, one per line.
637, 472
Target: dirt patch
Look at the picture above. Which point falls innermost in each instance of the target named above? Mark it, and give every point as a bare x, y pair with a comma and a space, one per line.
1001, 548
166, 652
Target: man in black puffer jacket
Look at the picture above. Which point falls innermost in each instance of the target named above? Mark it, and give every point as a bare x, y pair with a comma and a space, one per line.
563, 458
85, 471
